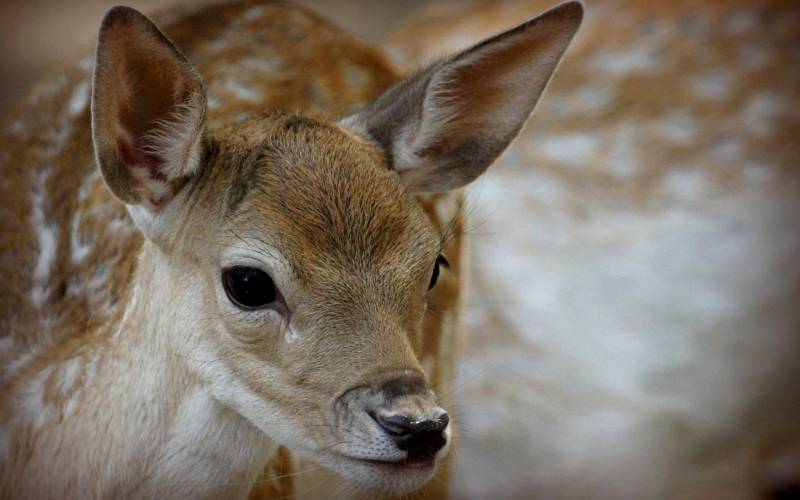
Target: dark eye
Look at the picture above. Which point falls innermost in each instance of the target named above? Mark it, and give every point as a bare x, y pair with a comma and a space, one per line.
248, 287
440, 261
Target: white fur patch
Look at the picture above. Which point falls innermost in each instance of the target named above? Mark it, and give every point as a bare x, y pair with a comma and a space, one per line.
254, 13
47, 238
18, 362
715, 84
623, 153
79, 98
242, 90
760, 110
144, 219
79, 250
33, 402
726, 148
7, 344
622, 62
70, 371
574, 149
685, 183
678, 127
758, 171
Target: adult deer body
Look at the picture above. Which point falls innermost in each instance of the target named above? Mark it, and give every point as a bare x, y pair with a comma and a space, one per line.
231, 269
648, 290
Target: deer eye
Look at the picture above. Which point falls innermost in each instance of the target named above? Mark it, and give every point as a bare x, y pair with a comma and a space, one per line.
440, 261
248, 287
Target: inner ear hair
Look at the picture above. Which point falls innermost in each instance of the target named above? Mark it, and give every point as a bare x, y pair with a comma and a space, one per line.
148, 111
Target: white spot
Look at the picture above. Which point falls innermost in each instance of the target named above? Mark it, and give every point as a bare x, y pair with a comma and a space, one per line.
79, 98
98, 291
19, 362
573, 149
725, 148
156, 190
290, 335
759, 112
7, 343
18, 127
86, 63
34, 402
741, 21
620, 62
69, 375
91, 370
714, 85
757, 171
88, 183
260, 65
623, 156
242, 90
685, 183
253, 13
47, 234
144, 219
592, 98
132, 303
79, 250
218, 44
678, 127
545, 188
72, 403
214, 102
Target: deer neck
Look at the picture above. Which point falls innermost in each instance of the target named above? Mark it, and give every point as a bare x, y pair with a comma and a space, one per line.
199, 445
164, 434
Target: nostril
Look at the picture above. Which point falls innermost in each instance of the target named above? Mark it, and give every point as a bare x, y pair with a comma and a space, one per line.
442, 422
421, 439
398, 424
394, 425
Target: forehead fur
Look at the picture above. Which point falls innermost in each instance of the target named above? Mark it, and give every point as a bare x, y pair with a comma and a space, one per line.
329, 198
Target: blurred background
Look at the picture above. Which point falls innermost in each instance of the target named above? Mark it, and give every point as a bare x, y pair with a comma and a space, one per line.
633, 321
37, 36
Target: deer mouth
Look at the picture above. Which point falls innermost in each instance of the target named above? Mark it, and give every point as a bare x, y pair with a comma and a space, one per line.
403, 464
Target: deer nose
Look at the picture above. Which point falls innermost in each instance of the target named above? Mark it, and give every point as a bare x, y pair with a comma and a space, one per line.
412, 419
421, 439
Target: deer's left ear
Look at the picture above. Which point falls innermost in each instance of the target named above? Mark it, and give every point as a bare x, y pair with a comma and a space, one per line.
148, 113
444, 126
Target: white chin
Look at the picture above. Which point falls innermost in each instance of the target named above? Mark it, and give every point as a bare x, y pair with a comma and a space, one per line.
384, 479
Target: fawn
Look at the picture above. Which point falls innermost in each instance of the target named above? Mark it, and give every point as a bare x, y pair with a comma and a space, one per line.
643, 316
237, 273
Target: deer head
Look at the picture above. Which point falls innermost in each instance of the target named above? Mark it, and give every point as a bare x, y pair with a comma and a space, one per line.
286, 259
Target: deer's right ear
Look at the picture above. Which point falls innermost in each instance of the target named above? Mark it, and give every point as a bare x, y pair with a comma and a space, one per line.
148, 113
442, 127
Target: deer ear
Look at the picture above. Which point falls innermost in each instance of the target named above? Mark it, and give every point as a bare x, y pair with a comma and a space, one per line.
444, 126
148, 112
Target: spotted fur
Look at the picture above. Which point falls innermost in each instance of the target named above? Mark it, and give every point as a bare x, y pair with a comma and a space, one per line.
634, 283
115, 324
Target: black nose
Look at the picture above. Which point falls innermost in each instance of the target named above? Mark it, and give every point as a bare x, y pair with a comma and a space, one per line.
420, 438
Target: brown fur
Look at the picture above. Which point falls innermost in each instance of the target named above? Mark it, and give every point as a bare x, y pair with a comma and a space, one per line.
265, 165
729, 160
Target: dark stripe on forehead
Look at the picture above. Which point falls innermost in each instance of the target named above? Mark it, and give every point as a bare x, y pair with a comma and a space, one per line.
244, 169
283, 129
